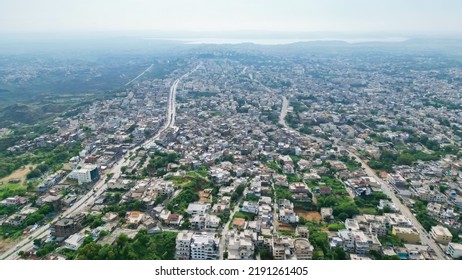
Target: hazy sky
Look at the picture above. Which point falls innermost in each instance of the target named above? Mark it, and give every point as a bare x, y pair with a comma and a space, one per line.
217, 15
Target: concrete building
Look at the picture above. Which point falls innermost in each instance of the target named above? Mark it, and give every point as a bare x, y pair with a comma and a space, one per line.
74, 241
197, 208
250, 207
282, 248
240, 246
441, 234
302, 231
303, 249
204, 246
134, 217
87, 174
183, 245
408, 234
205, 221
454, 250
64, 228
327, 214
288, 216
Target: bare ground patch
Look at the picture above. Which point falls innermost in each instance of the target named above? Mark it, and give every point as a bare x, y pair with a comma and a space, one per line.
309, 215
19, 174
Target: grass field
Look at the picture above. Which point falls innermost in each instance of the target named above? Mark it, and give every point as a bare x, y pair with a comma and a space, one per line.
11, 189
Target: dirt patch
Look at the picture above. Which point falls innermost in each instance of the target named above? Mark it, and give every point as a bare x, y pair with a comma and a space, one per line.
19, 174
5, 244
285, 227
309, 216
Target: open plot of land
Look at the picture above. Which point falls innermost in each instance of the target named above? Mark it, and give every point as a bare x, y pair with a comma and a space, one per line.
285, 227
19, 175
5, 244
309, 216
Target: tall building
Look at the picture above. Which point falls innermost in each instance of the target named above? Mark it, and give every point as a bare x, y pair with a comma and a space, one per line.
183, 245
87, 174
197, 246
204, 246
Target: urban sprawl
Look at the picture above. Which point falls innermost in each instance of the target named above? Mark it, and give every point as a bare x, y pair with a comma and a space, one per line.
271, 158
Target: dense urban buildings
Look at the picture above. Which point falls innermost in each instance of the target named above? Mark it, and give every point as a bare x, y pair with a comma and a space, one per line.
249, 154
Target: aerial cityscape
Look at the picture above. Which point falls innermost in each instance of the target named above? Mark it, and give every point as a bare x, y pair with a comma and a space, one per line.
299, 131
236, 153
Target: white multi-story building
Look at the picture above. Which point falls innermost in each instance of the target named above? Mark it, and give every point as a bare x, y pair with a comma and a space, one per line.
378, 229
165, 188
288, 216
87, 174
197, 208
183, 245
204, 246
250, 207
348, 240
426, 194
357, 241
454, 250
205, 221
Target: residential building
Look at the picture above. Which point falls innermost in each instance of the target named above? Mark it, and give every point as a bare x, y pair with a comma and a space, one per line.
455, 250
302, 231
288, 216
240, 245
327, 214
204, 246
408, 234
441, 234
250, 207
134, 217
65, 227
197, 208
183, 245
303, 249
74, 241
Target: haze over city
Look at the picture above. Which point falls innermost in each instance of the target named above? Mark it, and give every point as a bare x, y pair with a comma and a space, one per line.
231, 130
239, 15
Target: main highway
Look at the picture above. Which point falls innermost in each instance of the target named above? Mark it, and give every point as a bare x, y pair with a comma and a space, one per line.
85, 202
171, 109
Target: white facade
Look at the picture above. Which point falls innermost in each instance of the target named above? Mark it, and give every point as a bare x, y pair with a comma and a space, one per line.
74, 241
83, 175
197, 208
455, 250
250, 207
183, 245
204, 246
